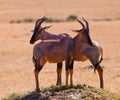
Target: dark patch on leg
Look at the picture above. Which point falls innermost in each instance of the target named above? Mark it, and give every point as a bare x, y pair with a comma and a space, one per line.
59, 65
71, 65
67, 62
59, 70
98, 64
38, 68
37, 64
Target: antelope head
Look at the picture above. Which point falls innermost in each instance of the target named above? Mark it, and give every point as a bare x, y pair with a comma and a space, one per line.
38, 30
84, 32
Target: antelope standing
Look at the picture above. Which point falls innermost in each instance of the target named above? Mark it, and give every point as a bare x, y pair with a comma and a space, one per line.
83, 52
55, 51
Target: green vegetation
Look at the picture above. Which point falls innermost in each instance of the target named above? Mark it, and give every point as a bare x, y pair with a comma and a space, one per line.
71, 18
53, 20
13, 96
49, 20
17, 21
103, 19
78, 92
26, 20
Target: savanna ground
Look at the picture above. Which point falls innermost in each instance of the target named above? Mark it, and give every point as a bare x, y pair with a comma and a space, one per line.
16, 67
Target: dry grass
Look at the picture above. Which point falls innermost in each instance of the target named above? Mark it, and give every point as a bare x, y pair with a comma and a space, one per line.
78, 92
16, 67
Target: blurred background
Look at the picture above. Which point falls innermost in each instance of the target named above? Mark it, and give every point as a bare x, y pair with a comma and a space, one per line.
92, 9
17, 19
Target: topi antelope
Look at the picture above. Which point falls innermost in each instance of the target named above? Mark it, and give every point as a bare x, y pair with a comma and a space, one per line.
94, 54
55, 51
83, 52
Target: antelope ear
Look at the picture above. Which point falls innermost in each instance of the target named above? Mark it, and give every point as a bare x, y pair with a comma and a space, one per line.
75, 31
46, 27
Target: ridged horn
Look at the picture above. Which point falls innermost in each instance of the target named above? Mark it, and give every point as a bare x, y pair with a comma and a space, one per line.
81, 23
86, 22
39, 21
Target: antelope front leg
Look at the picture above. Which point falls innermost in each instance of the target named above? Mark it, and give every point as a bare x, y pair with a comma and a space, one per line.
67, 75
67, 67
71, 73
59, 71
71, 77
36, 72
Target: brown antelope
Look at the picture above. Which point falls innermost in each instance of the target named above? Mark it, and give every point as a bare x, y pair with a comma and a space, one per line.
55, 51
83, 52
89, 53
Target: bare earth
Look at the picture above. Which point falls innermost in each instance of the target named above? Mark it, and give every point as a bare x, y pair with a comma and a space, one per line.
16, 67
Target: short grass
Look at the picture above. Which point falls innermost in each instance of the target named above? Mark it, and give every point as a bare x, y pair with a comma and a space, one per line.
82, 92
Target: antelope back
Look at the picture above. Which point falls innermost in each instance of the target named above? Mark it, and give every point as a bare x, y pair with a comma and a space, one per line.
56, 51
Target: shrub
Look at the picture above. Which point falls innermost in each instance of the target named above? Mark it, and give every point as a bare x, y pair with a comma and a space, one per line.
28, 20
71, 18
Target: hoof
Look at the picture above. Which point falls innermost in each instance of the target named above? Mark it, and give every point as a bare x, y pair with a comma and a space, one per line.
67, 87
58, 84
71, 86
102, 87
38, 90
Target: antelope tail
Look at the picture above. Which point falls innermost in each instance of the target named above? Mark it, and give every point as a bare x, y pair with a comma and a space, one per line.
101, 52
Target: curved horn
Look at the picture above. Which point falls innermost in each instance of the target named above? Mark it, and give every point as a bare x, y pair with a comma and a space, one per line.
81, 23
36, 24
87, 24
39, 21
42, 20
75, 30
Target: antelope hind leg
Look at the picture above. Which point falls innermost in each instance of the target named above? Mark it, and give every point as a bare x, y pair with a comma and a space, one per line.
100, 72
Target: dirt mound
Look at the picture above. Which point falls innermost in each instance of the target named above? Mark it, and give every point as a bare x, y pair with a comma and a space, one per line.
78, 92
